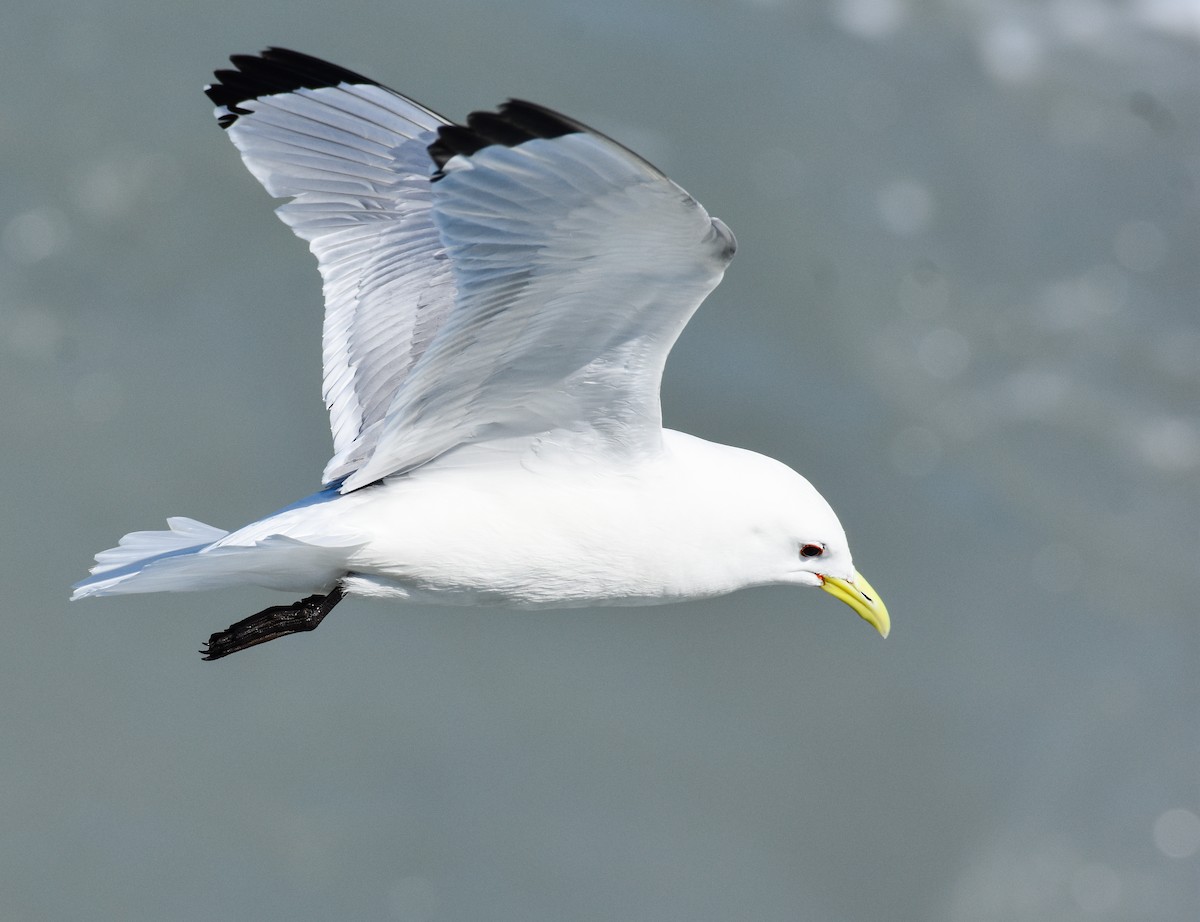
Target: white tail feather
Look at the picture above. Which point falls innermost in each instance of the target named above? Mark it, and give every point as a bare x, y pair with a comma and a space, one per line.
140, 545
185, 559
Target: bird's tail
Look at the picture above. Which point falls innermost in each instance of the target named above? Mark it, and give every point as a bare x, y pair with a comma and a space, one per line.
190, 556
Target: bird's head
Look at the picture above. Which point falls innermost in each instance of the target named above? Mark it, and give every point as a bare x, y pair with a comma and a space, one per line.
826, 563
807, 545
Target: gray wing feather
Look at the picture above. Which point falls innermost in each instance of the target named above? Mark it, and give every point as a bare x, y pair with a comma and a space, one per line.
353, 159
576, 265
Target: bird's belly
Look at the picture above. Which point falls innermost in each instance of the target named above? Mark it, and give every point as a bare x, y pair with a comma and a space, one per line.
513, 574
444, 548
518, 596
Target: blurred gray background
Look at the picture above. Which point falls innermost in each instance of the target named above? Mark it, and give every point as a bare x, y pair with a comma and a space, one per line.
965, 305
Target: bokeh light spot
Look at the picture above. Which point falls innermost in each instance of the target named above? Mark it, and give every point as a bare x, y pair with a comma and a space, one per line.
35, 235
944, 353
1096, 888
1169, 444
1098, 293
1012, 53
1177, 833
870, 19
905, 207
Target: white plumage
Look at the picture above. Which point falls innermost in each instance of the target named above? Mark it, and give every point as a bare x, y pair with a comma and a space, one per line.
501, 298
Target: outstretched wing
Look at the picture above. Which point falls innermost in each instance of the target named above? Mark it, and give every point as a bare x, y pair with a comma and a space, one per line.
577, 265
352, 156
553, 267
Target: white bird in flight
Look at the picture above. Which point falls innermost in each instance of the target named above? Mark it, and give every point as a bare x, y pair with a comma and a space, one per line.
500, 299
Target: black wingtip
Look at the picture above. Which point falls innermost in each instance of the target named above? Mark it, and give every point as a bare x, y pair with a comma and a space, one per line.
515, 123
275, 70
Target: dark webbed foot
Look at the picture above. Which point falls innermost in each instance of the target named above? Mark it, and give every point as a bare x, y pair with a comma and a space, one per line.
270, 623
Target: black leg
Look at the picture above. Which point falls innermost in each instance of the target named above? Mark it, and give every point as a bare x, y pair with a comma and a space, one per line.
278, 621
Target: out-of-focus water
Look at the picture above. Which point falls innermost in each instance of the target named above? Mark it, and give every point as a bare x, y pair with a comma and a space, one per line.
965, 305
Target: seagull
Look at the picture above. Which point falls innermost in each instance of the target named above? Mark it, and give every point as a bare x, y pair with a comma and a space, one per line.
500, 300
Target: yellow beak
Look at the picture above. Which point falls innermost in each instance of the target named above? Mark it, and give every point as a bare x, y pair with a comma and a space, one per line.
862, 598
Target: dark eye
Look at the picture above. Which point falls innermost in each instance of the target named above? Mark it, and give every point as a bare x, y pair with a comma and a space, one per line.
812, 550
